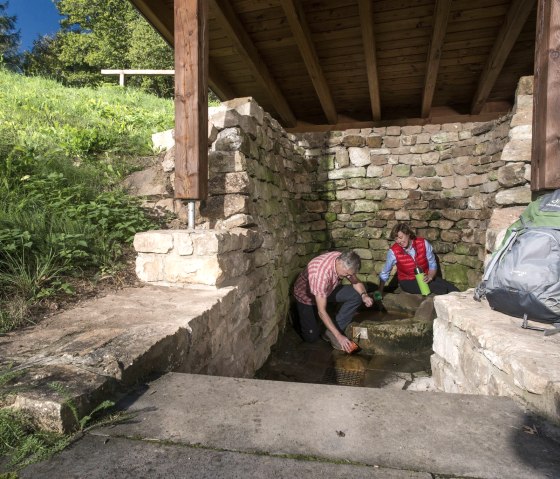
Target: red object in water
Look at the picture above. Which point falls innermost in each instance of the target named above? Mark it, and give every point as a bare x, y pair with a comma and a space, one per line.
355, 348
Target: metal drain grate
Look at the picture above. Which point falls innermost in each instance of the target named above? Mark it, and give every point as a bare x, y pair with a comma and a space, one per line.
343, 377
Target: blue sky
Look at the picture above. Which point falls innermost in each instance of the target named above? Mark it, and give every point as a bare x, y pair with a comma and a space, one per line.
34, 18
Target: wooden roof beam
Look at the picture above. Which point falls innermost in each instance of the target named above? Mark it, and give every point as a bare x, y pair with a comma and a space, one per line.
511, 28
296, 18
441, 15
161, 23
233, 28
368, 38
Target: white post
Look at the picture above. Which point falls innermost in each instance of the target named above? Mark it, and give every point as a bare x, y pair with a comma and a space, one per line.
190, 215
121, 79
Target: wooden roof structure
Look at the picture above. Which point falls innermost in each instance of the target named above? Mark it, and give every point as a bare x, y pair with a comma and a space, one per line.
334, 63
338, 64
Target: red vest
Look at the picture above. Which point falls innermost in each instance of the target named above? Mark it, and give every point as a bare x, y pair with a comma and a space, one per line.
405, 262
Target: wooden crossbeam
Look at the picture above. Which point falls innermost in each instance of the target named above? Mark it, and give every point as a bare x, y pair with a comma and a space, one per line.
511, 28
191, 99
545, 157
234, 30
441, 15
368, 38
296, 18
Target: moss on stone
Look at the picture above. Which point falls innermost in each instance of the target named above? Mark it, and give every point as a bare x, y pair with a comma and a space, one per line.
457, 274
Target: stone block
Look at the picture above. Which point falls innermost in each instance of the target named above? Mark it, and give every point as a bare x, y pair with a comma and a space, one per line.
163, 140
247, 106
153, 241
359, 156
148, 182
342, 158
149, 267
353, 140
351, 172
430, 158
514, 196
393, 131
512, 174
226, 161
409, 183
374, 141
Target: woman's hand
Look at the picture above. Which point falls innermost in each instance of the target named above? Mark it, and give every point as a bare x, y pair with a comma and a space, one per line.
430, 276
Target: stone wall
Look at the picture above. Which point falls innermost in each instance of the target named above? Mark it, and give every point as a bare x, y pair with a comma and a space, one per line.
300, 195
481, 351
262, 221
445, 180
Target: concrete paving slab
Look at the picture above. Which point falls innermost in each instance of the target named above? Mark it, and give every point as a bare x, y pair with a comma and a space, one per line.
450, 434
98, 458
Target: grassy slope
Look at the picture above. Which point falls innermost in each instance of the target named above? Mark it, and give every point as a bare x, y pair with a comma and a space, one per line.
63, 152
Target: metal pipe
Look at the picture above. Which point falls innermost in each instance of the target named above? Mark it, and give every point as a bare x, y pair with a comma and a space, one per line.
191, 214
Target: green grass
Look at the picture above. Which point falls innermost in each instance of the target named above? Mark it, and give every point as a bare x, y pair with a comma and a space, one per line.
63, 153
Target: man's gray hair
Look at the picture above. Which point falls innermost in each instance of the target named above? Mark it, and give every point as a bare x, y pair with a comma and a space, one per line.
351, 260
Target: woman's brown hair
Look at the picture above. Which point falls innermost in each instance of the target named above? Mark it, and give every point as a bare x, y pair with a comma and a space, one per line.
402, 228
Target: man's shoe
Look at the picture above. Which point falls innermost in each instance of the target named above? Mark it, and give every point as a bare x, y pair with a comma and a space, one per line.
329, 337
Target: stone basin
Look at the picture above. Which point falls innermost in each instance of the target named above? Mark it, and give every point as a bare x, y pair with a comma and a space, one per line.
407, 326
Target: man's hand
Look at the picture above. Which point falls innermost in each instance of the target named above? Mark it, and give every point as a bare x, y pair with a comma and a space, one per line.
345, 343
367, 300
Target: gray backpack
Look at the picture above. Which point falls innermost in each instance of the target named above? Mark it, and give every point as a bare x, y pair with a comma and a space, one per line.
523, 276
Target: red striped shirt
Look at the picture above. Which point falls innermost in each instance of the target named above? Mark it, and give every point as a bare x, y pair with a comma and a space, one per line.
319, 278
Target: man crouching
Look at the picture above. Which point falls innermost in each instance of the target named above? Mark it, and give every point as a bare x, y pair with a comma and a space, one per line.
319, 284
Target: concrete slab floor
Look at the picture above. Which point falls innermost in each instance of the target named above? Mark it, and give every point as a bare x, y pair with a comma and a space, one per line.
231, 427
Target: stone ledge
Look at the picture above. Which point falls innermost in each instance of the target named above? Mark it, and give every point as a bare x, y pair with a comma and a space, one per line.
480, 351
110, 343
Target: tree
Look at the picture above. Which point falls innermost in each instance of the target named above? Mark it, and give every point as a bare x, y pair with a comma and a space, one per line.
98, 34
9, 39
43, 59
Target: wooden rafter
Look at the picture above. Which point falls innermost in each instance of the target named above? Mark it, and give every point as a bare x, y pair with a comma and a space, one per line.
296, 18
515, 20
441, 14
368, 38
233, 28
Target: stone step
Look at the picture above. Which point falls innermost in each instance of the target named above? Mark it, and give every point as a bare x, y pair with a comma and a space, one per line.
109, 343
437, 433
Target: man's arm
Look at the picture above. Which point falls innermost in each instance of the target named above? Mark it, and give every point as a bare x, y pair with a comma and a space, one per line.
345, 343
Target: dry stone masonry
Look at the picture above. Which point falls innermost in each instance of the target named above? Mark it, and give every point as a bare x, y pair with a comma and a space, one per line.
277, 199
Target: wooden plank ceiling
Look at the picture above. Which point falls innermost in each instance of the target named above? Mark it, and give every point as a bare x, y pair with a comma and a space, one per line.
334, 64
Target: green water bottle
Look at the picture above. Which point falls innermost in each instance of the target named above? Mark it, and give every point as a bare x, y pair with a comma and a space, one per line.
377, 296
424, 288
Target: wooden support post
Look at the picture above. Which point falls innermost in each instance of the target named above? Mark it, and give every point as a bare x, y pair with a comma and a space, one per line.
545, 160
191, 99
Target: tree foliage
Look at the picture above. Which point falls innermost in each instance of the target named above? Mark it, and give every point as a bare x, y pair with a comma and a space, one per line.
98, 34
9, 39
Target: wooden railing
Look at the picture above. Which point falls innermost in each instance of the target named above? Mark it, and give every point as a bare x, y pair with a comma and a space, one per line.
122, 73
